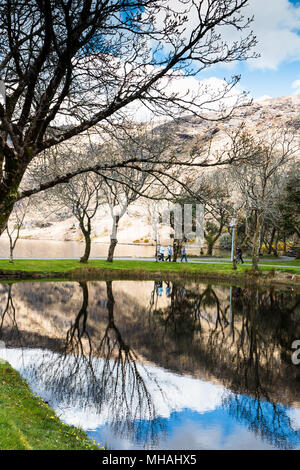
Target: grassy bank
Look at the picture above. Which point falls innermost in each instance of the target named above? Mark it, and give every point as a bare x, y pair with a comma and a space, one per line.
268, 276
27, 423
65, 266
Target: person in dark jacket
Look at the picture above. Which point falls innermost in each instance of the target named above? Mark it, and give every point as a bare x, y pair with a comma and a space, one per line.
239, 254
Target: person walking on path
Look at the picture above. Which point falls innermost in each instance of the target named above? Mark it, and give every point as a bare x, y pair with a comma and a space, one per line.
183, 254
239, 255
162, 253
168, 258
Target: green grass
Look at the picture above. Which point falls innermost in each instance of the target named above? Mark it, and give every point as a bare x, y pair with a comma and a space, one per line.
64, 266
278, 262
27, 423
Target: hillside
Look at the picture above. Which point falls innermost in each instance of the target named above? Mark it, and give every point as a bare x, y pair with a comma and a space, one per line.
261, 116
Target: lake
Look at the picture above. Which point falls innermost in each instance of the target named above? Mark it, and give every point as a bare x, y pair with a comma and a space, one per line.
45, 249
160, 365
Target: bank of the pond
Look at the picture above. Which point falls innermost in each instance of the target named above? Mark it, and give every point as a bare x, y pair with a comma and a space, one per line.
148, 270
27, 423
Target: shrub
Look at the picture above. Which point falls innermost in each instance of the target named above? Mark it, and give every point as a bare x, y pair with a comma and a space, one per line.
225, 241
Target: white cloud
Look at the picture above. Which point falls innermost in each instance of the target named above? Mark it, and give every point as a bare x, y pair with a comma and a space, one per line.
263, 98
209, 95
296, 87
169, 392
275, 25
201, 93
294, 415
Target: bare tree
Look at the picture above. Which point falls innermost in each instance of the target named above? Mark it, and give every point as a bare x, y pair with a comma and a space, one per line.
82, 195
15, 224
284, 223
257, 177
118, 188
214, 191
124, 186
69, 65
120, 382
119, 197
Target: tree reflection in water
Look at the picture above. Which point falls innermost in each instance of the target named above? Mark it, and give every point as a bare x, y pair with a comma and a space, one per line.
8, 323
247, 344
102, 373
239, 337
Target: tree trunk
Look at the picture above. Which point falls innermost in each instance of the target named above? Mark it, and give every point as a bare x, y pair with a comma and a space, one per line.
112, 246
81, 319
297, 245
234, 234
11, 246
110, 303
174, 250
271, 241
87, 251
210, 246
276, 244
247, 235
255, 249
9, 186
156, 251
113, 239
259, 242
284, 244
177, 245
6, 207
11, 254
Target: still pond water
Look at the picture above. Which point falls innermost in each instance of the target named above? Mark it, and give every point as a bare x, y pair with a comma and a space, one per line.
158, 365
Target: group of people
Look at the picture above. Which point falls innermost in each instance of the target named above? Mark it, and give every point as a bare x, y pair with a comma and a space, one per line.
159, 288
161, 254
158, 285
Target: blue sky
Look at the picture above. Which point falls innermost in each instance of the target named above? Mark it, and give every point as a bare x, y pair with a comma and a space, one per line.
215, 429
277, 71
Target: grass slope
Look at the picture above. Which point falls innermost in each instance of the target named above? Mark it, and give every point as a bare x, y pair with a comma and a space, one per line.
27, 423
